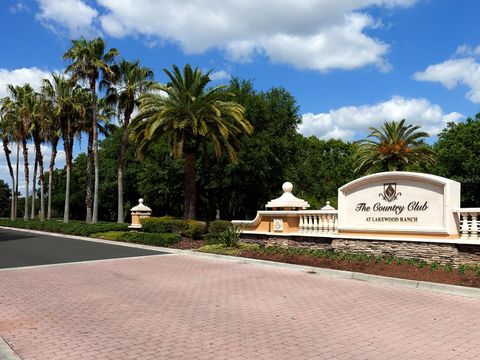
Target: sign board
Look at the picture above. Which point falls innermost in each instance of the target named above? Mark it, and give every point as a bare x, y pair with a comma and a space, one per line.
396, 202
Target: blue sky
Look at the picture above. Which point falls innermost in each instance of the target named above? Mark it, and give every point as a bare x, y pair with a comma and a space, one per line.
350, 64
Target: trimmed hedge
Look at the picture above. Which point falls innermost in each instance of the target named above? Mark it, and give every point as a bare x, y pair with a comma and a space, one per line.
218, 226
167, 224
156, 239
71, 228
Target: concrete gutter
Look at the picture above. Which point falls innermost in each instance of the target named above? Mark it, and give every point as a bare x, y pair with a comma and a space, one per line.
411, 284
6, 352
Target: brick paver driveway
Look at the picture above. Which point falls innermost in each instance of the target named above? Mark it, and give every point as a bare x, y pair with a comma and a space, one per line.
186, 307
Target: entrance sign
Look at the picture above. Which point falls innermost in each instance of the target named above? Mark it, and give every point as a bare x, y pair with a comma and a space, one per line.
397, 202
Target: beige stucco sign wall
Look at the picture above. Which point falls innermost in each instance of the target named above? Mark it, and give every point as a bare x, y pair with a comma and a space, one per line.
397, 202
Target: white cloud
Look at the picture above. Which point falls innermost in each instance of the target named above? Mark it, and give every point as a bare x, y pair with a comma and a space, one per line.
220, 75
47, 153
32, 76
74, 17
350, 122
456, 72
313, 34
19, 7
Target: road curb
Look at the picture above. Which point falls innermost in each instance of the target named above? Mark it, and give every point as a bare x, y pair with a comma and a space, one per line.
6, 352
404, 283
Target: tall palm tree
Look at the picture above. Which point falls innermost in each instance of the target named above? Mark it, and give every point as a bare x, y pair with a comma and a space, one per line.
52, 135
104, 114
24, 98
130, 82
6, 118
190, 115
87, 60
42, 118
393, 147
68, 102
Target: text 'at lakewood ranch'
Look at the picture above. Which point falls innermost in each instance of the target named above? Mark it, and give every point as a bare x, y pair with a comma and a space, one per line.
397, 209
404, 219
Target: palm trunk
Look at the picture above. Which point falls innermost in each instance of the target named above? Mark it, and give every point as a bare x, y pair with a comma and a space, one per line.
34, 185
121, 161
39, 157
190, 186
66, 211
25, 163
16, 181
88, 193
68, 146
95, 152
50, 176
10, 169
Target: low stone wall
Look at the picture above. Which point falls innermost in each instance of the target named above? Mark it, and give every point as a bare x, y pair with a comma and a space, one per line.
284, 241
454, 254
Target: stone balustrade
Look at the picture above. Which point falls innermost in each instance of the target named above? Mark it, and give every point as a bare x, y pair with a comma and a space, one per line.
468, 223
318, 222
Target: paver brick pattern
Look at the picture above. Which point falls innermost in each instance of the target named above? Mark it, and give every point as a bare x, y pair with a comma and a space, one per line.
183, 307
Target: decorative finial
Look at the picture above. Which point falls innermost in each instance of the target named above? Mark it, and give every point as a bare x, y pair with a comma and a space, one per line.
140, 201
328, 203
287, 187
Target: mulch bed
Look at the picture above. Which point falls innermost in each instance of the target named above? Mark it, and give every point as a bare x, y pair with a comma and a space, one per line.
403, 271
187, 244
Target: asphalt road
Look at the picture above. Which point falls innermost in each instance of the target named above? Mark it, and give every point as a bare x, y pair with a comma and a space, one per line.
25, 249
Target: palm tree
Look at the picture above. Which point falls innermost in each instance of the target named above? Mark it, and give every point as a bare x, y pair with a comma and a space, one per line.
68, 101
6, 115
52, 135
104, 113
39, 129
87, 59
24, 98
393, 147
190, 115
131, 81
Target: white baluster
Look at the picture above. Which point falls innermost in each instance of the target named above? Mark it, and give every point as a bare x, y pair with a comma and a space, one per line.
464, 225
324, 223
474, 227
327, 224
310, 223
317, 223
301, 224
335, 223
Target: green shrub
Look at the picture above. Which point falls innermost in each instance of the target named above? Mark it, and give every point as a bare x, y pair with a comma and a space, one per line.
167, 224
212, 239
156, 239
157, 224
194, 229
218, 226
229, 237
224, 250
72, 227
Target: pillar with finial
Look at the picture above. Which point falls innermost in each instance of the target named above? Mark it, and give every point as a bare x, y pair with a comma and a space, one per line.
139, 212
287, 201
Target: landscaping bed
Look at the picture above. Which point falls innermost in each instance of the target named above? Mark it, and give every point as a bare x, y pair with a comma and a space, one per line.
464, 275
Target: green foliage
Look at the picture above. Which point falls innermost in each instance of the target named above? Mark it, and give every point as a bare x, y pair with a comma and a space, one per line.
157, 225
194, 229
394, 147
217, 226
71, 228
156, 239
229, 237
5, 199
458, 151
167, 224
222, 249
